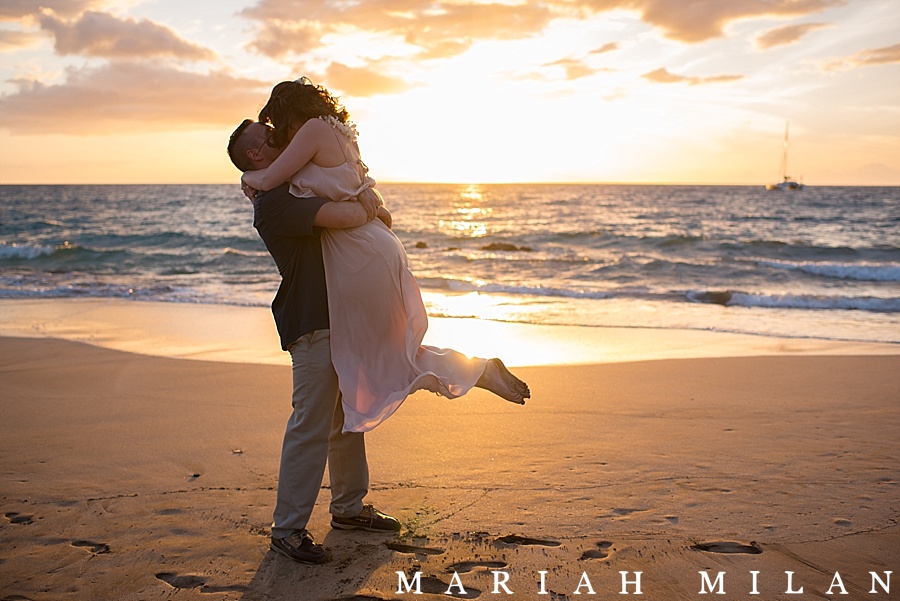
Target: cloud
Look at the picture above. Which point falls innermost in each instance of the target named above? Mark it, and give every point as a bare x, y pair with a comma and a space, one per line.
664, 76
606, 48
575, 69
878, 56
11, 41
362, 81
126, 96
864, 58
101, 34
438, 29
447, 28
14, 10
437, 49
278, 39
788, 34
701, 20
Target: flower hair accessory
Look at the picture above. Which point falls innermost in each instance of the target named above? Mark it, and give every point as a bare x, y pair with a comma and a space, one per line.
347, 129
304, 80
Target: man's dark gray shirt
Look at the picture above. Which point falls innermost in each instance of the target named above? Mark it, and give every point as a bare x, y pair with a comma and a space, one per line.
285, 224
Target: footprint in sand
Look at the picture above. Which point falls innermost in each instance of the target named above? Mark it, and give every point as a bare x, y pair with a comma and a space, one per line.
626, 511
436, 586
228, 588
179, 581
728, 547
401, 548
467, 566
169, 511
601, 552
91, 546
514, 539
17, 518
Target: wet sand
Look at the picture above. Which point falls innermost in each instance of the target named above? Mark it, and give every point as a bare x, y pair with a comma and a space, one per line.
130, 476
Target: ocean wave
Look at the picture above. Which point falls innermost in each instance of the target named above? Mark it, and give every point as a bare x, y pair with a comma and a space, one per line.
75, 290
73, 256
28, 288
454, 285
872, 272
796, 301
24, 251
716, 242
720, 297
674, 241
244, 253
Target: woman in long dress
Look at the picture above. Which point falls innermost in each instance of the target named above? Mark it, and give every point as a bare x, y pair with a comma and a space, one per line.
377, 317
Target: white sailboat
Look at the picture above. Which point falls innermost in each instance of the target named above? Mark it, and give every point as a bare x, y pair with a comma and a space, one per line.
786, 184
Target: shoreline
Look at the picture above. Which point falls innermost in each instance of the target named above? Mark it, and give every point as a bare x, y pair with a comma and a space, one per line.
239, 334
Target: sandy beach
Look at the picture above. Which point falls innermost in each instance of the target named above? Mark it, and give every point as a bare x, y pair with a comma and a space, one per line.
126, 475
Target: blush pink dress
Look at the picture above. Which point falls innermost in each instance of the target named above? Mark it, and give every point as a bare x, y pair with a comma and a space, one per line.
376, 314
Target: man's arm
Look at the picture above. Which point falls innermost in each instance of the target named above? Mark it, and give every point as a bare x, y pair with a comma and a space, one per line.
278, 213
281, 214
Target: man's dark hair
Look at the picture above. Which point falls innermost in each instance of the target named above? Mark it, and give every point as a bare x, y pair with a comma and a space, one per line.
238, 145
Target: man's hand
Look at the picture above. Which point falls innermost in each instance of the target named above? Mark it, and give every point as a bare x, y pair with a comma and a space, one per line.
385, 217
249, 192
371, 201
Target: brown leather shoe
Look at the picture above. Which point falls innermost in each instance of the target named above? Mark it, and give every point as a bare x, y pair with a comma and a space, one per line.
369, 519
299, 546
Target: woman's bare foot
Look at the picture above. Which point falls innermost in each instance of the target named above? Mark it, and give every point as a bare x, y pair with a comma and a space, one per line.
503, 383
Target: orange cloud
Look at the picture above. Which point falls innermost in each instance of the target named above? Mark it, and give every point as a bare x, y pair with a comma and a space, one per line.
129, 96
606, 48
278, 39
864, 58
664, 76
13, 10
575, 69
789, 34
440, 29
878, 56
10, 41
362, 81
700, 20
101, 34
446, 28
444, 49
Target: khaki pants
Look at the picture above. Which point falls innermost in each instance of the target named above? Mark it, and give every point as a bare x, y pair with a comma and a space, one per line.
313, 435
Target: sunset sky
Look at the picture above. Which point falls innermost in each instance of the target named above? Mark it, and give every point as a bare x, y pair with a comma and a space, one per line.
656, 91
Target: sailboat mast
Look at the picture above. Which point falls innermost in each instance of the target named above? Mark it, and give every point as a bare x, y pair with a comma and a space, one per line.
786, 182
784, 173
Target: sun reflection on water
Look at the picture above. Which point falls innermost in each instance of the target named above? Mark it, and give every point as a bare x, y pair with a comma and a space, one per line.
471, 217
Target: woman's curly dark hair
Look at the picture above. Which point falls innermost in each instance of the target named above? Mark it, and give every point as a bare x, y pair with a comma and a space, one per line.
292, 103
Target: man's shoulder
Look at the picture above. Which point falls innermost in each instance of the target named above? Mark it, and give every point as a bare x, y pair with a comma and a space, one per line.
281, 213
280, 193
269, 203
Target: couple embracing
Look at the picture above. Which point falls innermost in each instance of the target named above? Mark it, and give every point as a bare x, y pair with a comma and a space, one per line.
348, 309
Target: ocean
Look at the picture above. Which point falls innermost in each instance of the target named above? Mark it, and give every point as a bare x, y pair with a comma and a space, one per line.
821, 263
